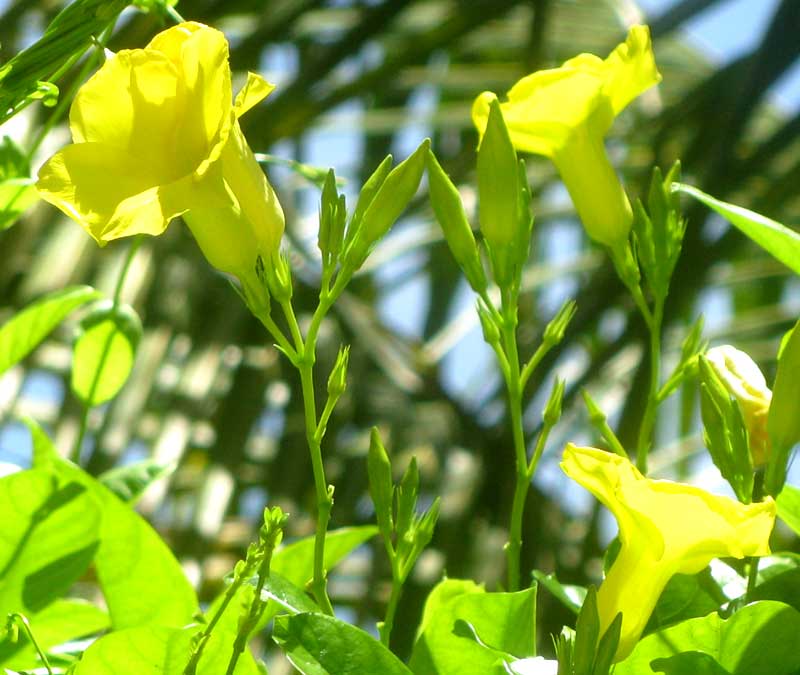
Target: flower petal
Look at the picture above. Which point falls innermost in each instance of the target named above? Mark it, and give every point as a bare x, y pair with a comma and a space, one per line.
110, 193
170, 42
544, 108
604, 475
255, 90
630, 69
665, 528
130, 104
207, 77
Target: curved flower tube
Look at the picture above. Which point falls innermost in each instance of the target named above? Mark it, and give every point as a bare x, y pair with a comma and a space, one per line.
665, 528
744, 381
156, 135
564, 113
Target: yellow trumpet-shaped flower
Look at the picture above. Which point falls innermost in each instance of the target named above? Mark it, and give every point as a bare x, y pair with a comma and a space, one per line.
156, 135
744, 381
565, 112
665, 528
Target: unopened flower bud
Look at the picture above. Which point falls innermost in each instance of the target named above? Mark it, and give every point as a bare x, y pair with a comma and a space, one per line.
743, 380
337, 381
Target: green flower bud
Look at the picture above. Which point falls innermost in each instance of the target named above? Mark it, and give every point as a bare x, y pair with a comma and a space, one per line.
279, 277
385, 208
449, 210
554, 331
332, 217
365, 197
491, 332
337, 381
379, 470
552, 411
498, 178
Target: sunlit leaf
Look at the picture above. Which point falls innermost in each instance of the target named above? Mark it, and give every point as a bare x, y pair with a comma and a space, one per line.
104, 353
26, 329
318, 644
48, 538
778, 240
759, 638
503, 622
61, 621
142, 582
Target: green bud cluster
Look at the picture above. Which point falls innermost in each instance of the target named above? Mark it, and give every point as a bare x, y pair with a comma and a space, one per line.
405, 531
383, 198
725, 432
658, 231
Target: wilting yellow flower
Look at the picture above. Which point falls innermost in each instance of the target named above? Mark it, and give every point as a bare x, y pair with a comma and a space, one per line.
565, 112
665, 528
744, 381
156, 135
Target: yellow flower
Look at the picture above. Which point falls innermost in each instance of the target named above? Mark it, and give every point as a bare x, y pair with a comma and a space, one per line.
156, 135
665, 528
565, 112
743, 380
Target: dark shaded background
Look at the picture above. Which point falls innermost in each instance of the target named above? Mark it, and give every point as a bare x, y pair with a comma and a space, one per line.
367, 78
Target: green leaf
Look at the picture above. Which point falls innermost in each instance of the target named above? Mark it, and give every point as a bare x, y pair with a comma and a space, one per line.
689, 663
571, 597
587, 633
67, 36
26, 329
779, 241
140, 578
158, 650
47, 540
783, 421
682, 598
296, 561
17, 191
60, 622
291, 598
504, 622
104, 353
759, 638
607, 647
317, 644
788, 502
130, 481
783, 587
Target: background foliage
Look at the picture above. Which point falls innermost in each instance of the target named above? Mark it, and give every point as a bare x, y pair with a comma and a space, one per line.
210, 397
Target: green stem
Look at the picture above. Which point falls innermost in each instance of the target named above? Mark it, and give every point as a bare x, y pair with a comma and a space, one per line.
322, 426
391, 608
257, 606
202, 639
277, 334
522, 482
649, 417
611, 438
174, 14
752, 574
22, 620
537, 452
306, 351
123, 273
530, 366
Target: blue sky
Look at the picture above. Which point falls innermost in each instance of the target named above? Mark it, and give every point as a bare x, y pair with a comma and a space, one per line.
729, 28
